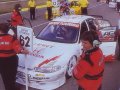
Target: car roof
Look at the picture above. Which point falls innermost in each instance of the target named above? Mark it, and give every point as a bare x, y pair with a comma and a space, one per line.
72, 18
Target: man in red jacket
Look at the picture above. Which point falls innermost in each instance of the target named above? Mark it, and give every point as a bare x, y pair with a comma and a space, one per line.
9, 48
16, 18
89, 70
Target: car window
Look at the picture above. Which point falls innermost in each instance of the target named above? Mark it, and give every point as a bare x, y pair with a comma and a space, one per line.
103, 23
91, 24
83, 28
59, 33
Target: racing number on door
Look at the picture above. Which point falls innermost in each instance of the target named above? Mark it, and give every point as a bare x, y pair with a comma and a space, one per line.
24, 41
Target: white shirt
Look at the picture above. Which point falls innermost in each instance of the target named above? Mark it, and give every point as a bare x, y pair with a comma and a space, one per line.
117, 0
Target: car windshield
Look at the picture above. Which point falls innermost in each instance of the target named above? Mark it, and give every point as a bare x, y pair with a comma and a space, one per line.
60, 32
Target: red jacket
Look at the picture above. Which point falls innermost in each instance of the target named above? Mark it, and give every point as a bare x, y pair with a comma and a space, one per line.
9, 45
16, 19
88, 73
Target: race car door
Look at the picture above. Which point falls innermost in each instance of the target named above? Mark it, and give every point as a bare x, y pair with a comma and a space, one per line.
108, 45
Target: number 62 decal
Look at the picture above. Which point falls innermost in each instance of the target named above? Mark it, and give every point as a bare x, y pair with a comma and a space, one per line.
24, 41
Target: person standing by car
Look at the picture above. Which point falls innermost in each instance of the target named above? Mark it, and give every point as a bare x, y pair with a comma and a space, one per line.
49, 9
117, 37
118, 5
9, 48
16, 18
32, 6
89, 70
84, 5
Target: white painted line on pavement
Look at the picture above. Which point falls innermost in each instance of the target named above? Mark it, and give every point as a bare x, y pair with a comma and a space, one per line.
7, 2
4, 14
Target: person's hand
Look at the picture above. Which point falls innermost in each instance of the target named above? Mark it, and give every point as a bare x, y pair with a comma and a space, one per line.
109, 58
24, 51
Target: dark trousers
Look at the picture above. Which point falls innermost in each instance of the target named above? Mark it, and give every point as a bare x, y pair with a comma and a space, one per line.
49, 9
107, 1
118, 6
8, 70
80, 88
84, 10
32, 13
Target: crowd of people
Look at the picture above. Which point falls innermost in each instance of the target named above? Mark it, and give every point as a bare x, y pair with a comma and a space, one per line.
65, 6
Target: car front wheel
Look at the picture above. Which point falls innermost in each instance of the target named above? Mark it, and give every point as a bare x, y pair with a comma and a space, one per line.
71, 65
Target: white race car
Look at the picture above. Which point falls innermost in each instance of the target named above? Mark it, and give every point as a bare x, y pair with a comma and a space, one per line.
57, 48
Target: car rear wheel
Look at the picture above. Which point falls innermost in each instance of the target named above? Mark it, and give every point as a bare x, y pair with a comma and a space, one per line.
70, 67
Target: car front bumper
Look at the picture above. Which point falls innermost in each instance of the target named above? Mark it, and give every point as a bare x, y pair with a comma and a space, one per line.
39, 80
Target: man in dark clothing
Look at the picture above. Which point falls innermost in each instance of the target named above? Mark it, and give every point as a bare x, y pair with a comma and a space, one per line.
9, 48
49, 9
118, 5
32, 6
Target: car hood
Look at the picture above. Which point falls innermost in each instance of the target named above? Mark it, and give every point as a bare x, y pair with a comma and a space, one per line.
46, 53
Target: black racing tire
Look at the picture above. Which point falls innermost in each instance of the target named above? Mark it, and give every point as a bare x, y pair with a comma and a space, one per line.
70, 67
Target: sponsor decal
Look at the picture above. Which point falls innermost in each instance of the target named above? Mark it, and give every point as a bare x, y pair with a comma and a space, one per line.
37, 77
44, 45
107, 36
24, 31
39, 69
48, 60
39, 74
66, 24
36, 53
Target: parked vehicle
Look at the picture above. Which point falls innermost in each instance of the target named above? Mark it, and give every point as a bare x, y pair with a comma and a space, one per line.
57, 48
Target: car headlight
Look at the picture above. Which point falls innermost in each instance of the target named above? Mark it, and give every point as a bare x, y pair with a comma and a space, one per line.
46, 69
